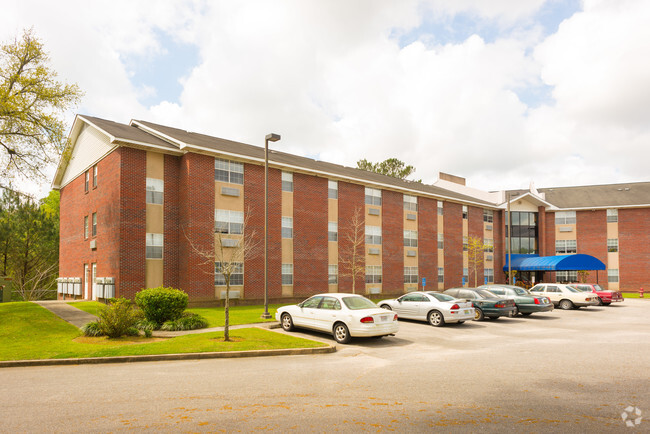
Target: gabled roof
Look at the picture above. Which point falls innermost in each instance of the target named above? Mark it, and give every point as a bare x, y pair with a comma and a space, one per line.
599, 196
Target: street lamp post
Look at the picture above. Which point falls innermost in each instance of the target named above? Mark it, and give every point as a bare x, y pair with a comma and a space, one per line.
269, 138
509, 235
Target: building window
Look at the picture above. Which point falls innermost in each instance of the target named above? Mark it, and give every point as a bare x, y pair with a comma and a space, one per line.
228, 171
95, 176
441, 275
612, 215
287, 181
228, 222
154, 246
373, 273
440, 209
333, 274
332, 231
488, 216
465, 275
86, 227
612, 275
488, 273
373, 235
565, 247
287, 274
612, 245
373, 196
565, 218
441, 241
332, 189
410, 238
410, 274
86, 181
94, 224
566, 276
489, 244
410, 203
523, 232
155, 189
236, 274
465, 244
287, 227
464, 212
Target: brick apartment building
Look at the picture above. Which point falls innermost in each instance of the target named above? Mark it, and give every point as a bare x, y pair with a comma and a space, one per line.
140, 203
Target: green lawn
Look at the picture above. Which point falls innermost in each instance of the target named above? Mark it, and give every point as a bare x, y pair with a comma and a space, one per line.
91, 307
28, 331
238, 314
635, 294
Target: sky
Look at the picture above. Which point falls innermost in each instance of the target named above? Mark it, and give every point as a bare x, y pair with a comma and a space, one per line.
500, 92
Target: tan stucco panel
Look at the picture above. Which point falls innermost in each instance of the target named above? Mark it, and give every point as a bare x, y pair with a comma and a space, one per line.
333, 287
153, 277
373, 259
287, 251
332, 210
612, 260
154, 219
571, 235
287, 290
155, 165
612, 230
287, 204
465, 227
332, 252
233, 203
373, 220
410, 261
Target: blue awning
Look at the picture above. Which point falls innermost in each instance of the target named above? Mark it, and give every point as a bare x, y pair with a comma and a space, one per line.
554, 263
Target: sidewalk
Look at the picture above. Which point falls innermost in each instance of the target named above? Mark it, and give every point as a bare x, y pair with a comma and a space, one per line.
71, 314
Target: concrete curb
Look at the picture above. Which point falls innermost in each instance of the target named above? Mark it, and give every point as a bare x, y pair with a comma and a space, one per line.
167, 357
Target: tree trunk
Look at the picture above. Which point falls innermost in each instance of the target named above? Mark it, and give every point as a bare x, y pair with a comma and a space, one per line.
226, 311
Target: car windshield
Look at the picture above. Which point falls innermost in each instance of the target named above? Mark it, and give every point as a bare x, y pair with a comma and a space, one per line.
484, 293
441, 297
520, 291
358, 303
572, 289
598, 287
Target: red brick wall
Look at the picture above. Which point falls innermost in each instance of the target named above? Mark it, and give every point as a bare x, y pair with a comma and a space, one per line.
254, 207
196, 214
549, 234
634, 254
392, 231
428, 242
171, 221
453, 233
500, 252
74, 251
132, 226
542, 247
310, 254
351, 198
475, 229
592, 239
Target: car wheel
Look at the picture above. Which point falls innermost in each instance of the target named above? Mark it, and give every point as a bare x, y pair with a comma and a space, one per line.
607, 303
478, 314
435, 318
287, 322
526, 313
566, 304
600, 302
341, 333
515, 312
385, 306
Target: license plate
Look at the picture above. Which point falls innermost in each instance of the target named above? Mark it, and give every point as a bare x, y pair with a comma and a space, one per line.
466, 311
384, 318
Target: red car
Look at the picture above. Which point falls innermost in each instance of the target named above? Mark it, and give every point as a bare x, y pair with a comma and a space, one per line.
605, 297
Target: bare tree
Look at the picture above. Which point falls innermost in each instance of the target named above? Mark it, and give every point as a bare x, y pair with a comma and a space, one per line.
227, 257
38, 284
352, 256
475, 256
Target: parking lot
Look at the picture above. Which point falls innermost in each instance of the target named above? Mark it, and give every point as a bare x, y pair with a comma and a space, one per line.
562, 371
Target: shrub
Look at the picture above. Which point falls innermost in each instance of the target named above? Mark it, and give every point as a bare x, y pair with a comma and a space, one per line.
146, 326
118, 318
161, 304
92, 329
189, 321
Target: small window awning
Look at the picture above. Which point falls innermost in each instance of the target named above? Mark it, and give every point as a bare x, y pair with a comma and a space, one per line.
554, 263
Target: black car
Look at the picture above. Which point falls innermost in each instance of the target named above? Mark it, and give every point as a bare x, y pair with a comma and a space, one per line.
526, 302
486, 304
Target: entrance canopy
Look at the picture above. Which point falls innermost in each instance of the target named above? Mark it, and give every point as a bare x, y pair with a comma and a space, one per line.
554, 263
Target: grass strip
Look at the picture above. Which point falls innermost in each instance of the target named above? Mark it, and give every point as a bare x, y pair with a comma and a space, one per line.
28, 331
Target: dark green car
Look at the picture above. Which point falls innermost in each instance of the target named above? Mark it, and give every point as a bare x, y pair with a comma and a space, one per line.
526, 303
486, 304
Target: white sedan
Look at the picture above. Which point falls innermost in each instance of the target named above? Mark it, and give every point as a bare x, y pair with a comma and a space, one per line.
565, 296
344, 315
434, 307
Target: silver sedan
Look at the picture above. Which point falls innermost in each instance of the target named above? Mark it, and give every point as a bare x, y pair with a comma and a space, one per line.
434, 307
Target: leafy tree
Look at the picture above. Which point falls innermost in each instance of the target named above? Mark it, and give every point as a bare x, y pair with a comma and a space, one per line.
32, 102
29, 243
391, 167
475, 256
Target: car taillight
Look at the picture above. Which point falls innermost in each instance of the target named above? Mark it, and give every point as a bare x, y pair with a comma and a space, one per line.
454, 307
367, 319
537, 301
395, 318
500, 305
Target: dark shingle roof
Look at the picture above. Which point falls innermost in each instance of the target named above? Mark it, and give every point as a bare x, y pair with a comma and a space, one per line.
127, 133
221, 145
599, 196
